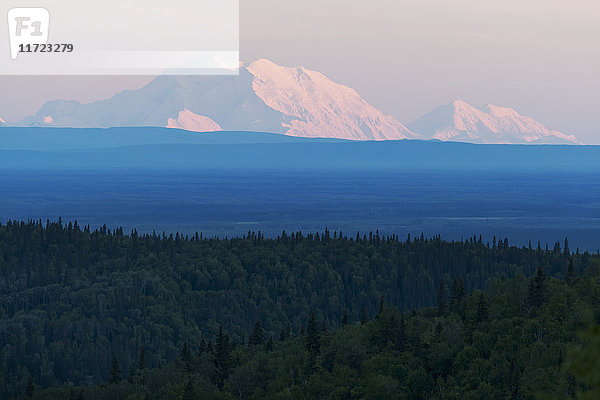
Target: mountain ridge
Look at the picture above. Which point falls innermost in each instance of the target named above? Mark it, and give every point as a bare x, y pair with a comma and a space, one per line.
169, 149
489, 124
294, 101
264, 97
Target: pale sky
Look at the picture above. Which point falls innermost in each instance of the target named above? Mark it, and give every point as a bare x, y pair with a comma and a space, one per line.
541, 57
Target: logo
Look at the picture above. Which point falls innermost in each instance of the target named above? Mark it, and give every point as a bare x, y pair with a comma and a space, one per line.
27, 26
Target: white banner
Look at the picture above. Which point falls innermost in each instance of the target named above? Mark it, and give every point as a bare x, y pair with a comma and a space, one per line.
119, 37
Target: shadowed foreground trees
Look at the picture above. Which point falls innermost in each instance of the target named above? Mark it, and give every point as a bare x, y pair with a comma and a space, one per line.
74, 299
493, 346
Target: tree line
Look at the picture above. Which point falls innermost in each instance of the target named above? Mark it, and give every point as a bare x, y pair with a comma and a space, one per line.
75, 300
523, 338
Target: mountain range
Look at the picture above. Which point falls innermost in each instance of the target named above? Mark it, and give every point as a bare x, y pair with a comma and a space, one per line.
266, 97
461, 122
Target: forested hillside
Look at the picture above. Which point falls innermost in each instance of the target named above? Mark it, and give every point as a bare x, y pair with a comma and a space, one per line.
525, 338
74, 301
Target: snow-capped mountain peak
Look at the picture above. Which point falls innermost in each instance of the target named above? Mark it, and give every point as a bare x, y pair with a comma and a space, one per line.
189, 121
320, 107
459, 121
264, 97
295, 101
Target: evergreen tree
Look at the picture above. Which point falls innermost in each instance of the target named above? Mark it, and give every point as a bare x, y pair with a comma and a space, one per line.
186, 356
222, 359
570, 277
345, 318
363, 316
131, 377
115, 372
516, 376
269, 346
186, 352
482, 309
202, 347
455, 295
556, 251
381, 305
401, 338
258, 335
537, 288
142, 360
567, 250
462, 292
458, 298
312, 335
441, 299
30, 388
189, 392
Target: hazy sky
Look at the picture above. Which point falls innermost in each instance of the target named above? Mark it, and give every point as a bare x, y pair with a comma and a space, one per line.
541, 57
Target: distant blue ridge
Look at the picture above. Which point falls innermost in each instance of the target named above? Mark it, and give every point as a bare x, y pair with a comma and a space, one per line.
163, 148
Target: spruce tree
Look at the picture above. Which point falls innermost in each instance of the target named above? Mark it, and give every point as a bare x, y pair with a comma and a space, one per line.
258, 335
30, 388
345, 318
142, 360
537, 288
381, 305
269, 346
482, 309
222, 359
186, 356
455, 295
363, 316
570, 278
115, 372
186, 352
189, 393
441, 299
131, 374
202, 347
312, 335
462, 292
401, 338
